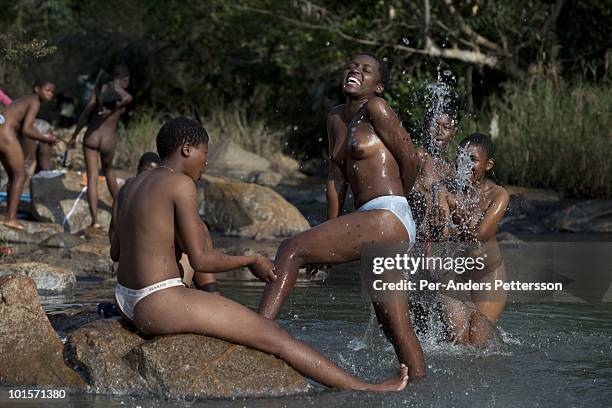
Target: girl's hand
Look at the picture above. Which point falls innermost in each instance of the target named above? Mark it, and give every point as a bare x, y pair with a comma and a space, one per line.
263, 269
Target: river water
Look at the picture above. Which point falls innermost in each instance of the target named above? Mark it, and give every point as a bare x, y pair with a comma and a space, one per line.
550, 354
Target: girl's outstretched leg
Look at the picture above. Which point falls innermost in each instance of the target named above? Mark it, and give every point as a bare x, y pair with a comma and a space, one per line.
181, 310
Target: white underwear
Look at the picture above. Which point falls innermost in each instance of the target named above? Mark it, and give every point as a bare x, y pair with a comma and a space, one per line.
127, 298
399, 206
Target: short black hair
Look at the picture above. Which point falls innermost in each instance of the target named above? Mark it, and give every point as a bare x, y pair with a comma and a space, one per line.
148, 158
178, 131
40, 82
121, 71
480, 139
383, 70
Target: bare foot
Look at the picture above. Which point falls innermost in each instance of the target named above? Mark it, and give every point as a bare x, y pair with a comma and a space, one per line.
396, 383
14, 224
95, 225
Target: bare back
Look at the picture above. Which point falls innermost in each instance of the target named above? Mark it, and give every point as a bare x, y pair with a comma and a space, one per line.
15, 114
145, 233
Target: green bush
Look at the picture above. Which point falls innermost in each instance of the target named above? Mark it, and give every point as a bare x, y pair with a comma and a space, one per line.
224, 122
137, 138
556, 136
233, 122
551, 135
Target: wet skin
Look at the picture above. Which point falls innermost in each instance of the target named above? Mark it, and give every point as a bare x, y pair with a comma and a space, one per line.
373, 154
478, 223
151, 236
101, 139
435, 171
20, 116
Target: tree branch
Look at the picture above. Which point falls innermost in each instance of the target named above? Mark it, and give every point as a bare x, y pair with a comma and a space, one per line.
431, 50
474, 36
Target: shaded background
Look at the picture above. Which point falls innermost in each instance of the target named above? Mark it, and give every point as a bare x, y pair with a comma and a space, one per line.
264, 73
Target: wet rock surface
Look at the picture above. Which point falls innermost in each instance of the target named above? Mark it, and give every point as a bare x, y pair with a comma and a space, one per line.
61, 200
112, 358
249, 210
33, 233
91, 259
30, 350
96, 351
585, 216
61, 240
49, 279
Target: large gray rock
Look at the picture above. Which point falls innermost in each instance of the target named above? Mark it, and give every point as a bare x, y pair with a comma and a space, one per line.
249, 210
61, 240
31, 352
92, 259
286, 166
49, 279
96, 351
586, 216
114, 359
230, 160
33, 233
268, 178
533, 194
61, 200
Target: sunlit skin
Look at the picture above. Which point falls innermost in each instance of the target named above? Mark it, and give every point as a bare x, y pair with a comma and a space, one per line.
373, 154
151, 236
20, 116
435, 170
101, 139
478, 223
201, 279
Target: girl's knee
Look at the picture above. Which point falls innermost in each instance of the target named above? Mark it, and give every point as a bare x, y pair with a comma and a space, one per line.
290, 249
273, 339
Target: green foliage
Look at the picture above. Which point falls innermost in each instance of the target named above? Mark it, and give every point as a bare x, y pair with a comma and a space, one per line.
232, 122
283, 59
13, 50
553, 136
137, 138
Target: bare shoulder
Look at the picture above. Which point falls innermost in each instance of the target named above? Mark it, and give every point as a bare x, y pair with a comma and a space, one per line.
334, 122
377, 106
29, 101
179, 184
336, 111
499, 195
